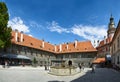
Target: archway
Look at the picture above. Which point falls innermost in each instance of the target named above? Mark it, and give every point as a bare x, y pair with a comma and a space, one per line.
70, 63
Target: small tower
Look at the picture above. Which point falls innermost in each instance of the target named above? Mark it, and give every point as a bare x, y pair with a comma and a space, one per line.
111, 28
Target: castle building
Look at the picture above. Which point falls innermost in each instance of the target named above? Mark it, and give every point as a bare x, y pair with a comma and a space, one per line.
104, 45
26, 48
115, 47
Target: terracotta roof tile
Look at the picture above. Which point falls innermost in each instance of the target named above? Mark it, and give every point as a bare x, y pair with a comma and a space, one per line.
84, 46
99, 60
29, 41
106, 41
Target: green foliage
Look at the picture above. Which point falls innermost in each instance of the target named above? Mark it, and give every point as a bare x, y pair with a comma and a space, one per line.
5, 32
4, 17
1, 44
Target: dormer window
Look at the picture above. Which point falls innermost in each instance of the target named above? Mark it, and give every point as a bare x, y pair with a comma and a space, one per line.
85, 48
23, 40
31, 44
40, 46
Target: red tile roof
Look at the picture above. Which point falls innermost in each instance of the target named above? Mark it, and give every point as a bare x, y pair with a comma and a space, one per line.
106, 41
84, 46
29, 41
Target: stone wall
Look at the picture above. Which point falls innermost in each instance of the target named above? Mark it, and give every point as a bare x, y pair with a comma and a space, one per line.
44, 57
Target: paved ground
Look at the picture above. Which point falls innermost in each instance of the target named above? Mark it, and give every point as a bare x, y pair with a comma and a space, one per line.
29, 74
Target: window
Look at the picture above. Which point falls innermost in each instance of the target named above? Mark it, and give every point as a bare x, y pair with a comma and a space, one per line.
74, 56
25, 51
41, 55
85, 55
118, 42
45, 62
114, 47
23, 48
31, 52
18, 49
41, 62
117, 59
36, 53
79, 55
66, 56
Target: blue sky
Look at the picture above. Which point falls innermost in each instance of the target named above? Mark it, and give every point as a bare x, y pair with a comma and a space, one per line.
59, 21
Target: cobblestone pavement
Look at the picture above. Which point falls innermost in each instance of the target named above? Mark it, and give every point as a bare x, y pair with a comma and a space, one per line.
29, 74
100, 75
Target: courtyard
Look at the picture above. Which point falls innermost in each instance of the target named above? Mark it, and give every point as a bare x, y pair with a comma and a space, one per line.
38, 74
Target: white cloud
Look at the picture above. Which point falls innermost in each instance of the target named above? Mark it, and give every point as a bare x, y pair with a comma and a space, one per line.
35, 24
17, 23
89, 32
54, 27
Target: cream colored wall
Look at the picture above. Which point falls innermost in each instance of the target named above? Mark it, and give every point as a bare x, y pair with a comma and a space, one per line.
116, 52
116, 43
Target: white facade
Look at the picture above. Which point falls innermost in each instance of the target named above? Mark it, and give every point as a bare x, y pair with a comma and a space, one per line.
115, 47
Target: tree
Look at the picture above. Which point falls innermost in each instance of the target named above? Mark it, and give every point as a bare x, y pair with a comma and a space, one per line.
5, 32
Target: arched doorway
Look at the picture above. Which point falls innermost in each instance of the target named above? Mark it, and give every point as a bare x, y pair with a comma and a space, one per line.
70, 63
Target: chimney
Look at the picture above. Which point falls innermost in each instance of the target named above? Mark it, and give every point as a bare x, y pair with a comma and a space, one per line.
21, 36
67, 46
60, 47
16, 35
76, 43
94, 43
43, 44
55, 48
98, 43
104, 39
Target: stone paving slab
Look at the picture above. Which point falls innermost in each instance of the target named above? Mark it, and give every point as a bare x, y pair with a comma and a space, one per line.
30, 74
